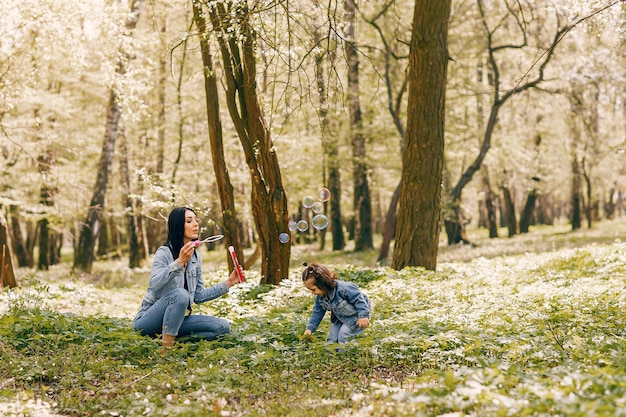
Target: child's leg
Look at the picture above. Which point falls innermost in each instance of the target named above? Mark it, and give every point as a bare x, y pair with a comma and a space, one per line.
333, 333
345, 333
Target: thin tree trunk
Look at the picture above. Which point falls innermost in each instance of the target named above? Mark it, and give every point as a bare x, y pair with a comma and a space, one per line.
393, 105
331, 155
490, 206
509, 209
527, 213
362, 202
389, 228
89, 229
132, 235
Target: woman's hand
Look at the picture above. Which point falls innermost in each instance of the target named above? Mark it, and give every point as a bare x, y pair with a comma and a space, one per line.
307, 334
186, 252
233, 279
363, 323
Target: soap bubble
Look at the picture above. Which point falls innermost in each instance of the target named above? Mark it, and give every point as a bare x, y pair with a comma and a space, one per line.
303, 225
307, 201
318, 207
323, 194
292, 226
320, 221
296, 253
284, 237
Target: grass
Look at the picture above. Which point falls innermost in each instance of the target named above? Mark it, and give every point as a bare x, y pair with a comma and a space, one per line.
532, 326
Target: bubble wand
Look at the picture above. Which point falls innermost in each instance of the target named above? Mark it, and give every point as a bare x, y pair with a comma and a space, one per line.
233, 256
208, 239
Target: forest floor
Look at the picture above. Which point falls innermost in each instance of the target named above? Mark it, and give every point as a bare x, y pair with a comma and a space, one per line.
529, 325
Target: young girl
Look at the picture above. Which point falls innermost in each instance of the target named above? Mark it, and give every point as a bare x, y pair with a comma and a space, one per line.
349, 307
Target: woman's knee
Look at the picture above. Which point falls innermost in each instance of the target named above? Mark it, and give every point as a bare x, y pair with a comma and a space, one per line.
224, 327
178, 295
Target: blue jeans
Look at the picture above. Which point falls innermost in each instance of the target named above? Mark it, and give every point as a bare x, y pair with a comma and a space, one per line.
340, 333
168, 316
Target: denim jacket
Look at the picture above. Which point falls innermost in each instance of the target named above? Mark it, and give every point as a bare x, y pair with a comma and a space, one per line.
347, 303
167, 274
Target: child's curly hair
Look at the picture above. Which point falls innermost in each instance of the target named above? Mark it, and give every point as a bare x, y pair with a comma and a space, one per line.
325, 279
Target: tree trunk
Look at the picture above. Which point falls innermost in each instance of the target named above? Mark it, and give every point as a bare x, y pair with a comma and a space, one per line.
589, 208
18, 243
490, 206
393, 105
362, 202
230, 224
509, 210
103, 238
47, 193
331, 155
526, 217
389, 228
132, 230
417, 231
84, 257
268, 196
7, 273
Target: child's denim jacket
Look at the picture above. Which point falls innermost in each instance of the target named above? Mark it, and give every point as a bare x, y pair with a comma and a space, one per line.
347, 303
167, 275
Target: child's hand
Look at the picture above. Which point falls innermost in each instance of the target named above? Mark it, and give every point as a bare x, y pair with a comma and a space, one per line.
363, 323
307, 334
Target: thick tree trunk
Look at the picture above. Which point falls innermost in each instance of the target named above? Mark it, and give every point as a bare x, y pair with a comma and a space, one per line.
362, 202
7, 273
417, 231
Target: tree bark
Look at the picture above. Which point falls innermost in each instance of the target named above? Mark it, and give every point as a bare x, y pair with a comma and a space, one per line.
132, 229
19, 245
331, 155
362, 202
490, 205
7, 273
509, 210
526, 217
389, 228
417, 239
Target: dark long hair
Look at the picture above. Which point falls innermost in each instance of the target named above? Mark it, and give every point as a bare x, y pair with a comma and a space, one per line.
176, 230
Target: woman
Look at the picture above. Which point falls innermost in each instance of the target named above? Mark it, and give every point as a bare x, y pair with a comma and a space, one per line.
176, 284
